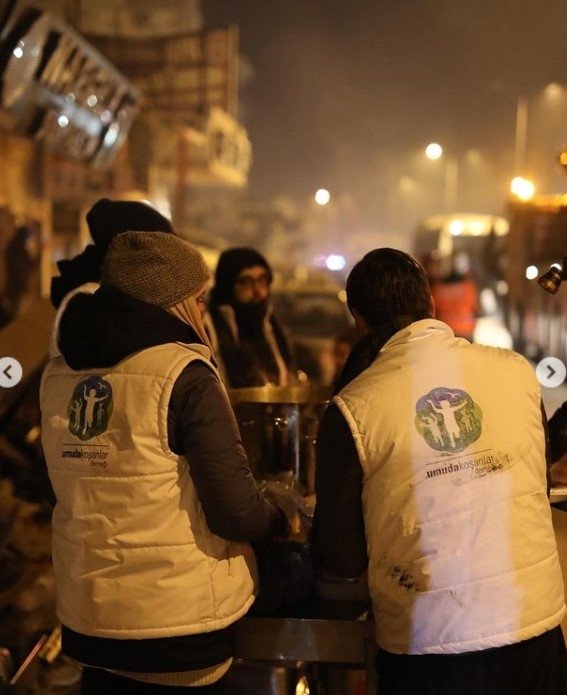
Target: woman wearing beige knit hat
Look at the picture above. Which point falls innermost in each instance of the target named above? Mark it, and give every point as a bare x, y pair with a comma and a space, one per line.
162, 270
156, 504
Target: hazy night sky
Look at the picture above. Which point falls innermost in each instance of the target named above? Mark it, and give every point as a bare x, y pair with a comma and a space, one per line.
345, 94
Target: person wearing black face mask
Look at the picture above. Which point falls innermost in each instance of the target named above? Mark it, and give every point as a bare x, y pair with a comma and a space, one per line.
250, 344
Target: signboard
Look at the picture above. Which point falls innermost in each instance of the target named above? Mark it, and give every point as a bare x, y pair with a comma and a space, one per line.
187, 73
229, 149
139, 19
58, 89
217, 152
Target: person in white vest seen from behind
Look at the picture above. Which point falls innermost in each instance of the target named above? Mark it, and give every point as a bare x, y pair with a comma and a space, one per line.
156, 505
432, 481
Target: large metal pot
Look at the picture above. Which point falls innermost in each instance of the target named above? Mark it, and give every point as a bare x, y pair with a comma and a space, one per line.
279, 428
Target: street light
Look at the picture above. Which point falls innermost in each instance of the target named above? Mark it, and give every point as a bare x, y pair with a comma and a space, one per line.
551, 280
434, 151
522, 188
322, 196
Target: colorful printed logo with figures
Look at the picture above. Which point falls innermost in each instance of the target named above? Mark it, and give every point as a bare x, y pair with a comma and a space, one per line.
448, 419
90, 408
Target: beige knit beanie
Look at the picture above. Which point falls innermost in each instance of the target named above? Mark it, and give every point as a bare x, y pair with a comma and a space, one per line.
160, 269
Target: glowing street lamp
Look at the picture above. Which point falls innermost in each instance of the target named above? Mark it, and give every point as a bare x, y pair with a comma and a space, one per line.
532, 272
322, 196
522, 188
554, 91
335, 262
433, 151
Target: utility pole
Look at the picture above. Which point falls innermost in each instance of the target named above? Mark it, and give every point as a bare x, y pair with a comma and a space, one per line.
521, 135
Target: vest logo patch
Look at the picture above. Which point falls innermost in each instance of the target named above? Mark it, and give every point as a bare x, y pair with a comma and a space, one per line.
90, 408
448, 419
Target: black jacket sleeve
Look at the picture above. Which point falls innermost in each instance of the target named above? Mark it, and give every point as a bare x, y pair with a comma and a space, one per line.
548, 459
339, 521
202, 426
558, 433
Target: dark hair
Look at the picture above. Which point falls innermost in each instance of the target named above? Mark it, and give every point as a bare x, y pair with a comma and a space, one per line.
387, 284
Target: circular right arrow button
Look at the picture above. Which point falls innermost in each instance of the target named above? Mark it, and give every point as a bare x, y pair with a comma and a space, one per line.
551, 372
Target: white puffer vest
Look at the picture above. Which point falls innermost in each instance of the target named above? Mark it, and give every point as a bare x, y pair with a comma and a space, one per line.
462, 554
132, 553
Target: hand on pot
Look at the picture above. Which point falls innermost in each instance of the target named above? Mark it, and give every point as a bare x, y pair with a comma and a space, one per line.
287, 499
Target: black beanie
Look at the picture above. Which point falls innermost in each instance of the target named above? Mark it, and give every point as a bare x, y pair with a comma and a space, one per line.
106, 219
230, 264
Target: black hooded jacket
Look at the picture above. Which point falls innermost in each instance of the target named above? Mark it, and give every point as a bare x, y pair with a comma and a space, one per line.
248, 357
558, 433
102, 329
106, 219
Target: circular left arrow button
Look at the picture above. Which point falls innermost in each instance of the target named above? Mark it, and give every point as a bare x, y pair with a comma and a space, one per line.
10, 372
